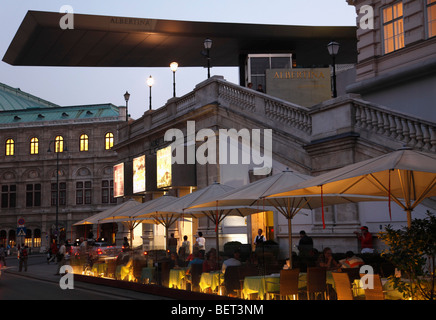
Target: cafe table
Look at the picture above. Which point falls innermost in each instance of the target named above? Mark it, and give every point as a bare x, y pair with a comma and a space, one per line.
302, 279
99, 268
260, 285
176, 278
211, 280
122, 272
389, 291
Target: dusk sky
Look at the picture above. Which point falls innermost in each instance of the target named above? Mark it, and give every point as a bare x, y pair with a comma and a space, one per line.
77, 86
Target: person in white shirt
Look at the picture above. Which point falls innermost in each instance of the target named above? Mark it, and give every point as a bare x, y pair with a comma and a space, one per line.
201, 243
235, 261
260, 239
61, 257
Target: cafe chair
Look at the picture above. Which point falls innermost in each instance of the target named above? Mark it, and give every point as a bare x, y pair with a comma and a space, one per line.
353, 275
375, 293
342, 286
232, 281
194, 277
288, 284
316, 282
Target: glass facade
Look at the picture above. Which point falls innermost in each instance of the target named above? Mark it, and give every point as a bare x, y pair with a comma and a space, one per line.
257, 64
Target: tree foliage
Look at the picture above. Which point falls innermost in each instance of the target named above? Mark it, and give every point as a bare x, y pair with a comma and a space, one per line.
413, 251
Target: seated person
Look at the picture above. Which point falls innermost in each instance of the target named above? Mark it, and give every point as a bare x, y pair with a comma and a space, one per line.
196, 260
210, 264
351, 261
234, 261
326, 260
175, 262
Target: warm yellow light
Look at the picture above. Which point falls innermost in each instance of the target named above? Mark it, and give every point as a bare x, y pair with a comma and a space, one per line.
174, 66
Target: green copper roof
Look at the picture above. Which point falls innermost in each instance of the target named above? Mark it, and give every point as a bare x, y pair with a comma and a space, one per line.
15, 99
20, 107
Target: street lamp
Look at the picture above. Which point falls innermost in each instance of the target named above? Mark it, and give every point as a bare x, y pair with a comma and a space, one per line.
333, 48
150, 82
127, 97
59, 146
207, 46
174, 66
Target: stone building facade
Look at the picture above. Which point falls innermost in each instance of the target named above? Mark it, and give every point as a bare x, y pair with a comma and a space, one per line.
53, 159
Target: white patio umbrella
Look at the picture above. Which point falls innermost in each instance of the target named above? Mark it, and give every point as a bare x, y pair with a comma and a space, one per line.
405, 176
133, 216
108, 213
182, 207
254, 195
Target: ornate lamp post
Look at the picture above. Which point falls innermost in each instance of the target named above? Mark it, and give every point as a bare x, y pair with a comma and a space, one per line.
333, 48
174, 66
127, 97
150, 82
59, 146
207, 46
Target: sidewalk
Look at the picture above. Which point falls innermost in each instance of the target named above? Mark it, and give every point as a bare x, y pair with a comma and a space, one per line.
42, 271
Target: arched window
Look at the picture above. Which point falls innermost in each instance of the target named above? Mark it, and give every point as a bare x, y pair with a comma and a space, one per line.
34, 146
59, 144
10, 147
109, 141
84, 143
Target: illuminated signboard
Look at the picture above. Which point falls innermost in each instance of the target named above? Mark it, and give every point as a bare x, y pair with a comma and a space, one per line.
139, 174
163, 167
119, 180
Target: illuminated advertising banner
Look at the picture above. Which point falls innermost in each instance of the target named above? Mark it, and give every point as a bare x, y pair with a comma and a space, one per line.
139, 174
119, 180
163, 167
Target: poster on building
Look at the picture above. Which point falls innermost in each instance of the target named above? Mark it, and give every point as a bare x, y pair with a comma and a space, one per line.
119, 180
163, 167
139, 174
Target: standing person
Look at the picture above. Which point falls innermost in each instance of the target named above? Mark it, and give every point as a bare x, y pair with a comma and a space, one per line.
172, 244
260, 239
305, 245
365, 238
22, 256
2, 256
61, 257
305, 249
185, 249
201, 243
52, 251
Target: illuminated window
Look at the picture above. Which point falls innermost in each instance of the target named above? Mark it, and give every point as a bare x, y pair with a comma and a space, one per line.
84, 142
393, 31
10, 147
431, 18
34, 146
59, 144
109, 141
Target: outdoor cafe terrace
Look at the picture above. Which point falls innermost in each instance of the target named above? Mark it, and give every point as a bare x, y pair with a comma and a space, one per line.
260, 276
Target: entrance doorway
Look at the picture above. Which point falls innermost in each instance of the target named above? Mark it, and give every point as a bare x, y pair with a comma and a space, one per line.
265, 221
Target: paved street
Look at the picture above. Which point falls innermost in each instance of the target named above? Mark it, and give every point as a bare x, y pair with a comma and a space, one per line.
41, 283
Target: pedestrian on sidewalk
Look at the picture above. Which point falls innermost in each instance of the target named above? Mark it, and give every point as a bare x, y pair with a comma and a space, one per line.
61, 257
22, 257
52, 251
2, 256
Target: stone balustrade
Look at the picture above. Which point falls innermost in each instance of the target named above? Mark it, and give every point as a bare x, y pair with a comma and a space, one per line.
344, 114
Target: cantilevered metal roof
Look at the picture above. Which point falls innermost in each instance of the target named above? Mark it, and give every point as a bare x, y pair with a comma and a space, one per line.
110, 41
